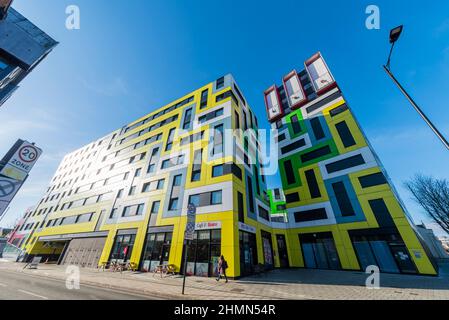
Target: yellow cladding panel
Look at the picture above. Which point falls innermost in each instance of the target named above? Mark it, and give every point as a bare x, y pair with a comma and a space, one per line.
352, 125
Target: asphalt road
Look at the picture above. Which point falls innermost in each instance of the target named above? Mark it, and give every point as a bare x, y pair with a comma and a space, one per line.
20, 286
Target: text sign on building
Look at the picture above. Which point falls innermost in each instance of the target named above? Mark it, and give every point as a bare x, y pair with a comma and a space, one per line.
20, 160
191, 219
210, 225
247, 228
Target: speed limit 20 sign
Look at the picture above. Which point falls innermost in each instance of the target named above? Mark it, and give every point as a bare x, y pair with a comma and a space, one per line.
28, 153
23, 159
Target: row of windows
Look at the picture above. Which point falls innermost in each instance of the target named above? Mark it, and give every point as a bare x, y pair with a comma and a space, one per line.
82, 218
206, 199
154, 138
87, 201
149, 129
211, 115
160, 113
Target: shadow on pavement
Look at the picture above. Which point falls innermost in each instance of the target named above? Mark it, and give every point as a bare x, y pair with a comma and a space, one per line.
349, 278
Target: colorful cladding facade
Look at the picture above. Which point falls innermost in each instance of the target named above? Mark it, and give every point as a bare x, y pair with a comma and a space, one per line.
124, 197
343, 212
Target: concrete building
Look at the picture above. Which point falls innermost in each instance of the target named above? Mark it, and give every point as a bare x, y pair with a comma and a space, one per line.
433, 243
22, 47
22, 230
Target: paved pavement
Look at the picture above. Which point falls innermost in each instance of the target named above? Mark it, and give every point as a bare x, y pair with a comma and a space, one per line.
278, 284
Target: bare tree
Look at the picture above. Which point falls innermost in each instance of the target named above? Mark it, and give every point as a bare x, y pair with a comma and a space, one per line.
433, 195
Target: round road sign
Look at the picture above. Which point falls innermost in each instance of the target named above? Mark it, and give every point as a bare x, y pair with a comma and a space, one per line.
28, 154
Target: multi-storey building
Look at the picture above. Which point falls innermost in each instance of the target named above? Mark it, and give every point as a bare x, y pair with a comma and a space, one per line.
23, 229
343, 211
22, 47
124, 197
278, 205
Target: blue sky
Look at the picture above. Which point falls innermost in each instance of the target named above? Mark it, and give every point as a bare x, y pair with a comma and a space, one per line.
131, 57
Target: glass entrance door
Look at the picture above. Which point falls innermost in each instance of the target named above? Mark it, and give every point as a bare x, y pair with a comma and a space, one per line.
282, 250
319, 251
403, 259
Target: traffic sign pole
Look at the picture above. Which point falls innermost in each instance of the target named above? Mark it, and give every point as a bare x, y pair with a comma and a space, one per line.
185, 265
188, 234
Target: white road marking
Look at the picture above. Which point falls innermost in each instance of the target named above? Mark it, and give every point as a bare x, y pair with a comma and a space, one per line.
3, 285
33, 294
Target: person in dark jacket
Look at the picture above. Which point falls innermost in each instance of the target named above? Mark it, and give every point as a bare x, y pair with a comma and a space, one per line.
222, 266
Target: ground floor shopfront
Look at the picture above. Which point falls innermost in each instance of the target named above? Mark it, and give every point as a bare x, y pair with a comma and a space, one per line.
247, 248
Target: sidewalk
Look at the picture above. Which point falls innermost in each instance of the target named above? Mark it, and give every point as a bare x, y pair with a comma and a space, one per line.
278, 284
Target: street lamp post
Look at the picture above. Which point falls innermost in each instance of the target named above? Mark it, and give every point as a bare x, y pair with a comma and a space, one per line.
394, 36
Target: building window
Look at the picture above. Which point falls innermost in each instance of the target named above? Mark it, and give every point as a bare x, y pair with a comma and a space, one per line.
218, 139
203, 102
203, 253
123, 247
3, 65
250, 194
215, 197
310, 215
263, 213
256, 176
220, 83
157, 251
317, 129
344, 203
295, 124
195, 200
187, 119
173, 205
134, 210
170, 138
345, 134
196, 167
217, 171
160, 184
241, 210
344, 164
155, 206
177, 180
315, 154
151, 168
372, 180
237, 121
245, 121
146, 187
313, 184
138, 171
290, 175
132, 191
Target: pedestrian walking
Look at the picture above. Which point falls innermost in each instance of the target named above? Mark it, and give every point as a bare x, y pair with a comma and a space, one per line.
222, 266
